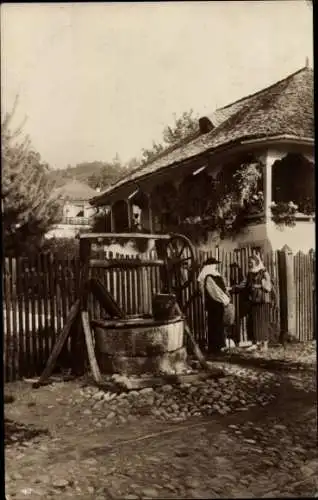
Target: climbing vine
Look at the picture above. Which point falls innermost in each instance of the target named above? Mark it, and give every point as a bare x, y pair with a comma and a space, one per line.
283, 213
205, 203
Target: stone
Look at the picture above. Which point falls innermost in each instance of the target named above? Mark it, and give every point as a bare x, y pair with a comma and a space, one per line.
192, 483
43, 479
111, 415
132, 394
27, 491
99, 395
167, 388
60, 483
16, 476
150, 493
146, 391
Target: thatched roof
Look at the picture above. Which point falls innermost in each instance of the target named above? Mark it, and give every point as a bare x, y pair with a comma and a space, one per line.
283, 109
75, 191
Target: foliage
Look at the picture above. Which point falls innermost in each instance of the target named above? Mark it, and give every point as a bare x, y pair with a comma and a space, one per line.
96, 174
183, 126
212, 204
61, 247
283, 213
28, 205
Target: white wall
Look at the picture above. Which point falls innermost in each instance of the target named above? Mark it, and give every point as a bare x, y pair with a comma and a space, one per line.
270, 236
72, 209
89, 211
252, 235
65, 230
298, 238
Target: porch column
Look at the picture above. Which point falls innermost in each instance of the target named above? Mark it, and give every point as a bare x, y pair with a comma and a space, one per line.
129, 213
150, 213
112, 220
268, 160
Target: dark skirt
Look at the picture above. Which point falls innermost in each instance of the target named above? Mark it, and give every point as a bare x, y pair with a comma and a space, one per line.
259, 323
216, 331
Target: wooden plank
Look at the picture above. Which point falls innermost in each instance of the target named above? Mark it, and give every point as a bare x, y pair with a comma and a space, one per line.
58, 294
33, 300
314, 295
124, 263
139, 291
40, 296
90, 347
63, 269
64, 309
105, 236
14, 332
305, 300
133, 307
46, 301
7, 343
301, 294
59, 344
297, 283
28, 349
129, 290
123, 290
51, 283
308, 298
112, 285
20, 318
105, 298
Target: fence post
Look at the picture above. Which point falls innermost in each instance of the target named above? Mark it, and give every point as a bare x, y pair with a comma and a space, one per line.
287, 292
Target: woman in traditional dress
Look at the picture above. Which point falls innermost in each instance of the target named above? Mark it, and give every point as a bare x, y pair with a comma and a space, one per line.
257, 287
216, 297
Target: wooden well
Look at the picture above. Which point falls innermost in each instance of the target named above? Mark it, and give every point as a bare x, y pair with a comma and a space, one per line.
140, 345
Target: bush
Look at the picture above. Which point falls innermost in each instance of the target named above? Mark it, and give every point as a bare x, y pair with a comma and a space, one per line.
61, 247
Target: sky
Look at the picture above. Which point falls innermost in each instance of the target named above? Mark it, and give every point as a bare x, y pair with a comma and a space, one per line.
98, 79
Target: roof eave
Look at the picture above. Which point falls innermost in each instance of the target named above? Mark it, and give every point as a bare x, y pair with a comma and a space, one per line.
285, 138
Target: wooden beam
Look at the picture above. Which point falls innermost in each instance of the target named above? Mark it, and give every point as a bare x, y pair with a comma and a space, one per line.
106, 236
90, 347
105, 299
124, 263
59, 345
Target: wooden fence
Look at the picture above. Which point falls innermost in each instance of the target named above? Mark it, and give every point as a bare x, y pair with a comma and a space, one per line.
38, 293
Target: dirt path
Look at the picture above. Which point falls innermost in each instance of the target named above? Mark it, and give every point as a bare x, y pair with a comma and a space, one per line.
264, 451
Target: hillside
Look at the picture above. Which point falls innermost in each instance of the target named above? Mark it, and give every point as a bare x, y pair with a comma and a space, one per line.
95, 174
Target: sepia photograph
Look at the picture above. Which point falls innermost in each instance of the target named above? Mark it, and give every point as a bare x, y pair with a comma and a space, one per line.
158, 242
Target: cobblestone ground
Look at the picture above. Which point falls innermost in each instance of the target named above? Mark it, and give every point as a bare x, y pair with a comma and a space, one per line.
251, 434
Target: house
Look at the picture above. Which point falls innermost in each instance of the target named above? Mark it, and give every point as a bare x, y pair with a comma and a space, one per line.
77, 211
272, 128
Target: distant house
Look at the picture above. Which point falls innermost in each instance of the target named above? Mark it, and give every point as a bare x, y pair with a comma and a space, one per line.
273, 127
77, 211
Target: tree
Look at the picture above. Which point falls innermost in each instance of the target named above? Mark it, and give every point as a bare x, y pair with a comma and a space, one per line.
184, 126
29, 208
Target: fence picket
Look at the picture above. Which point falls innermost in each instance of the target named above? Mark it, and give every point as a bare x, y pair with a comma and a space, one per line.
38, 294
45, 290
19, 290
7, 360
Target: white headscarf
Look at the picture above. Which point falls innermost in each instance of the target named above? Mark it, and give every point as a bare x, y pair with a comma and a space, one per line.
209, 269
258, 266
